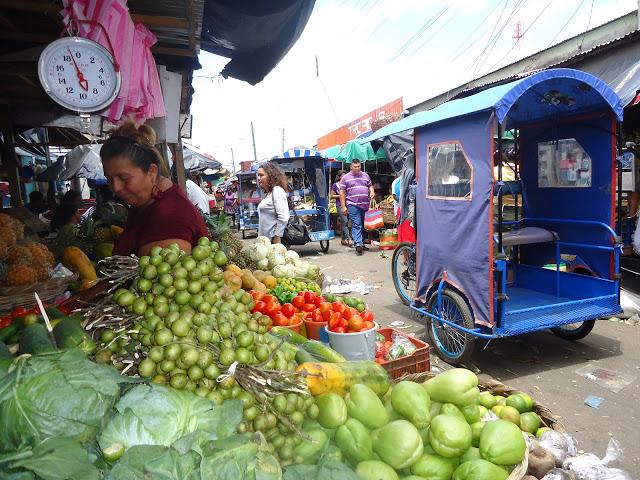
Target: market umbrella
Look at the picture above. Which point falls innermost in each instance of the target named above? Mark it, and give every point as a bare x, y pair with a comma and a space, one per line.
353, 149
195, 161
332, 152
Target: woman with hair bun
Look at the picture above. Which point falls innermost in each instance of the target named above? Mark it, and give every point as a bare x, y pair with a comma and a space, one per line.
160, 212
273, 210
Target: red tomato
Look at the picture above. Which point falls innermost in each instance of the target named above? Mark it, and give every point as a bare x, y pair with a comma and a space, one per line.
319, 301
257, 296
379, 360
298, 301
347, 313
334, 321
317, 317
309, 297
64, 309
327, 315
19, 312
288, 310
5, 321
343, 323
367, 325
338, 307
308, 307
340, 330
356, 323
324, 307
367, 316
272, 308
259, 306
280, 320
269, 298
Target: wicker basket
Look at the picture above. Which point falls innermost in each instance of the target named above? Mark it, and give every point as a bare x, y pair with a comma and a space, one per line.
488, 384
388, 214
11, 297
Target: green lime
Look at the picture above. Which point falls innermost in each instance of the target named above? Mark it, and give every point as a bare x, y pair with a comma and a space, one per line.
243, 355
189, 356
156, 354
167, 366
182, 297
200, 252
155, 260
146, 368
171, 258
144, 261
205, 358
163, 268
149, 272
125, 299
179, 381
203, 334
216, 397
143, 285
180, 327
220, 258
163, 336
188, 263
113, 452
195, 373
212, 371
180, 272
173, 351
227, 356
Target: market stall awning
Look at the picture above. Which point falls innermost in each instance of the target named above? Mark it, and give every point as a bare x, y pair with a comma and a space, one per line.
254, 35
298, 152
195, 161
354, 150
539, 102
81, 162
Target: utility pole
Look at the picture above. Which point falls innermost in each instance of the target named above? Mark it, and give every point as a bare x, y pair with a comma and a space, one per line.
253, 140
283, 136
233, 162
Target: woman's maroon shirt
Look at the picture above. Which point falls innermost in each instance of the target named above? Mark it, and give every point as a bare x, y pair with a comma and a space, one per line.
171, 215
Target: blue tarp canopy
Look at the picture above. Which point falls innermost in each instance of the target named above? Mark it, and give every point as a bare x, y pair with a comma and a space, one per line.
541, 96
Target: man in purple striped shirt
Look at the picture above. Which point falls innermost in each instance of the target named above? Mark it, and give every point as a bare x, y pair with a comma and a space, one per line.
355, 191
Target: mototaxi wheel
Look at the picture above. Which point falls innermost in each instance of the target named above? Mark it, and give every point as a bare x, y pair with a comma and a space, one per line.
574, 331
452, 345
403, 273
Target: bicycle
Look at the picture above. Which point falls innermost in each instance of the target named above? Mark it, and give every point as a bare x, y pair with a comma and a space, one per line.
403, 271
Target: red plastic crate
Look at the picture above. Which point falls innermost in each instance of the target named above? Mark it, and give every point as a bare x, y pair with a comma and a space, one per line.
417, 362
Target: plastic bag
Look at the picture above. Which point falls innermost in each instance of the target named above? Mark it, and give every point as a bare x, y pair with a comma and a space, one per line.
560, 445
559, 474
590, 467
401, 346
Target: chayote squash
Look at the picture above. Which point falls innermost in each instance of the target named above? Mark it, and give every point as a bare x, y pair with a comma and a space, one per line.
333, 410
476, 430
458, 386
449, 435
412, 401
375, 470
354, 440
502, 443
434, 467
472, 454
310, 450
451, 409
364, 405
398, 443
479, 470
471, 413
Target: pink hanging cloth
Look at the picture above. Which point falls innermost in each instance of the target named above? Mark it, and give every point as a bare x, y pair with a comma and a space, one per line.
140, 96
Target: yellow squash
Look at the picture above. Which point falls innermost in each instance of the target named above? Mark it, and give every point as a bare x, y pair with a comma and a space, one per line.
76, 260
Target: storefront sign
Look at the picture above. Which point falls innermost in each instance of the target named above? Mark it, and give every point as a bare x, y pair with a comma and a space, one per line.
361, 125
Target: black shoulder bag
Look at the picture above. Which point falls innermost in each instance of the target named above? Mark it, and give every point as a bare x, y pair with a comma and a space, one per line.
296, 232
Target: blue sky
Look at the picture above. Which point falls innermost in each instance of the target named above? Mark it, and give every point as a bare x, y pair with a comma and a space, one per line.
370, 52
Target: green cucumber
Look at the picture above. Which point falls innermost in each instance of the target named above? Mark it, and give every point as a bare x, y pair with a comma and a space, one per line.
7, 332
288, 334
35, 339
302, 356
322, 352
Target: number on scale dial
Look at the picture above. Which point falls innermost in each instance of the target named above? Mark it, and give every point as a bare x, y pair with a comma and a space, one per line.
79, 74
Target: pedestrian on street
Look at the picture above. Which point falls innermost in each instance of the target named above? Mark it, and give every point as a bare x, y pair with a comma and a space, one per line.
231, 200
356, 191
344, 222
273, 210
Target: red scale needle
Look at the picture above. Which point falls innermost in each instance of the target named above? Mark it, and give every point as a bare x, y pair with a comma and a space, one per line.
84, 84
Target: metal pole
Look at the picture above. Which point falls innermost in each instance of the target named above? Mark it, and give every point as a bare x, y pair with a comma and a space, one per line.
253, 140
283, 139
499, 188
620, 145
233, 162
47, 152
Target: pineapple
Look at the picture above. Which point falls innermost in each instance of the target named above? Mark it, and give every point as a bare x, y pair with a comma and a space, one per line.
102, 235
220, 230
21, 275
3, 269
4, 249
43, 272
7, 236
41, 256
17, 254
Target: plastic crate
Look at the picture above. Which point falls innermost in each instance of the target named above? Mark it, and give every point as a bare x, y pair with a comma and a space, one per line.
417, 362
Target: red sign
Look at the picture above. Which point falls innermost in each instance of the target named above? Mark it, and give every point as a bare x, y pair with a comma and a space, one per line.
363, 124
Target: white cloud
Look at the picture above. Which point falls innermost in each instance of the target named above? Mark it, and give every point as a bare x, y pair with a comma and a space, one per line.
354, 42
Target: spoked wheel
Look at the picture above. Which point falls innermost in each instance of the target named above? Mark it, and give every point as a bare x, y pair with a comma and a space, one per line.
574, 331
403, 270
452, 345
324, 245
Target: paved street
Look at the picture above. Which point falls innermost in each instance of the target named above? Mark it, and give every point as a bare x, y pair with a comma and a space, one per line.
539, 363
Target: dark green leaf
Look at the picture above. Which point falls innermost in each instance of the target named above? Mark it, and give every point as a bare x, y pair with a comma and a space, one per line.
59, 459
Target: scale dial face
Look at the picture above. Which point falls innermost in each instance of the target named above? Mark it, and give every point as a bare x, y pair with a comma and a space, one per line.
79, 74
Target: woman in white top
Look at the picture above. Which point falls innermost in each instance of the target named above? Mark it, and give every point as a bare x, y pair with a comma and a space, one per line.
273, 210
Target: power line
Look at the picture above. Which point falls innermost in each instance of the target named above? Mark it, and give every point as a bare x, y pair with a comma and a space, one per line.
459, 48
563, 27
523, 34
488, 51
434, 34
588, 25
495, 25
425, 26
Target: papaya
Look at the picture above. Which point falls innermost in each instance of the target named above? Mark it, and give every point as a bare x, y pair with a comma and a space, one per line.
76, 260
270, 281
260, 275
339, 377
233, 268
260, 287
248, 280
116, 231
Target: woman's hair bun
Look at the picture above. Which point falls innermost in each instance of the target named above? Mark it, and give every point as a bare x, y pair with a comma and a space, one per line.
143, 134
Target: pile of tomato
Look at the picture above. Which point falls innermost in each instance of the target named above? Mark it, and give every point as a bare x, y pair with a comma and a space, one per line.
313, 308
21, 312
